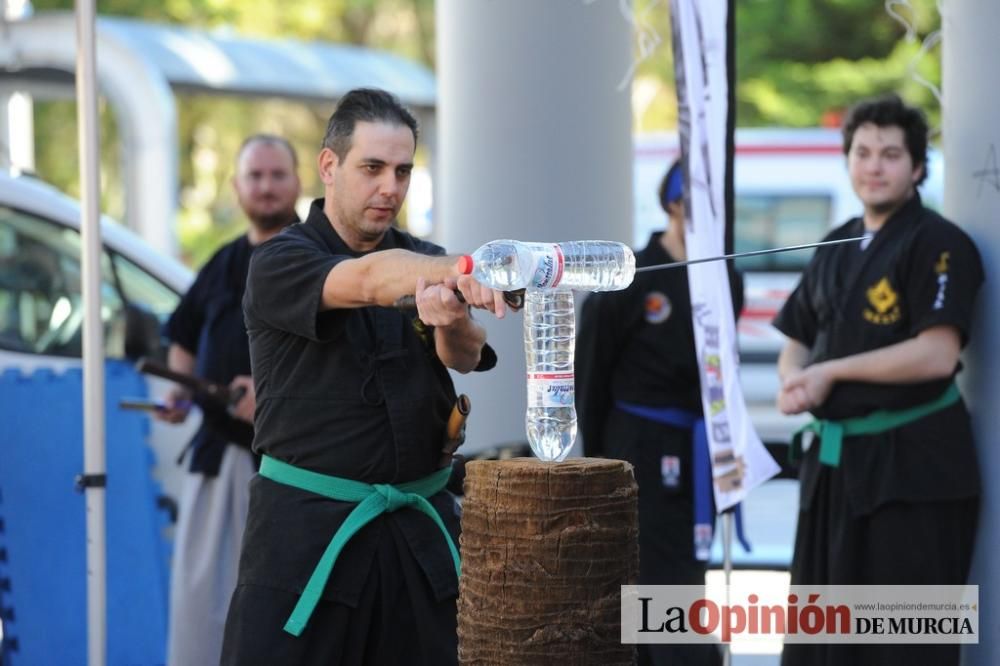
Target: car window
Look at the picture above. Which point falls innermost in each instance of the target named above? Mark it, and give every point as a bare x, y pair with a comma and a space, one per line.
41, 308
765, 221
141, 288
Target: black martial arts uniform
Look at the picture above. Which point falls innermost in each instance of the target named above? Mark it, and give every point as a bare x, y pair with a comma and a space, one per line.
358, 394
637, 347
208, 323
901, 507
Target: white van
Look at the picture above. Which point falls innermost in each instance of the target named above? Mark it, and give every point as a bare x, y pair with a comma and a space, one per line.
791, 187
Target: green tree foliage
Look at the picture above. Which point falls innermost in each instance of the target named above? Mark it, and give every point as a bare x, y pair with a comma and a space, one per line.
402, 26
211, 128
799, 60
802, 62
799, 63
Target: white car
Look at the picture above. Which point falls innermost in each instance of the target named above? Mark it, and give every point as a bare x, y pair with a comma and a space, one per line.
41, 308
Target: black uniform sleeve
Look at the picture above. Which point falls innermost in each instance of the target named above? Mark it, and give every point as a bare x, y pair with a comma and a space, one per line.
736, 291
487, 359
184, 326
797, 318
426, 247
944, 274
285, 288
600, 336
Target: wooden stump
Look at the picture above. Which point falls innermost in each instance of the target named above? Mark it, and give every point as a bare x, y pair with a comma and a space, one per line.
545, 549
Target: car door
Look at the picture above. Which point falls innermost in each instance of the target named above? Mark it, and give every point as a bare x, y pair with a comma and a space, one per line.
41, 306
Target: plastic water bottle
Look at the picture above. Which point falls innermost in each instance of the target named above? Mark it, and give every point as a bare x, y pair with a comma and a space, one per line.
581, 265
549, 341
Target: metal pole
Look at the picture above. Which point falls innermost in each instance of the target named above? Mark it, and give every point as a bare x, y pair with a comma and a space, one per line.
93, 333
752, 253
727, 570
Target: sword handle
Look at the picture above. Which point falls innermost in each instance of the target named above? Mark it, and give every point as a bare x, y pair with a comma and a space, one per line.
202, 388
514, 299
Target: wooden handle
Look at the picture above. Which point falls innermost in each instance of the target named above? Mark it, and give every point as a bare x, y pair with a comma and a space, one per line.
200, 387
514, 299
455, 430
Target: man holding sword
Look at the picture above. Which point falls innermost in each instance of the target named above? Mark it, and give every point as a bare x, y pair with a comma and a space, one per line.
350, 550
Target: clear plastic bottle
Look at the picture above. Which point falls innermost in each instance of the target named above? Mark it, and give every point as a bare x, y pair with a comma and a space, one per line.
549, 341
581, 265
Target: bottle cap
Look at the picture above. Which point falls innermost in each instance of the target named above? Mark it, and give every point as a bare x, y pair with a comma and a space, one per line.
465, 264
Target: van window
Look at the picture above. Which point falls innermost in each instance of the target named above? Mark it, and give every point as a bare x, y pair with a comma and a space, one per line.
41, 307
765, 221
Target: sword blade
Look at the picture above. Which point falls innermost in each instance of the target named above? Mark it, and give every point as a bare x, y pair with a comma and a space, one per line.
754, 253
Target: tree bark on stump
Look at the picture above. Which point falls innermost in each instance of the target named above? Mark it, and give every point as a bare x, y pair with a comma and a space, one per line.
545, 548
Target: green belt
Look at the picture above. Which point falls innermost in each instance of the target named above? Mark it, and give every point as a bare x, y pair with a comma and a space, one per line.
832, 433
372, 501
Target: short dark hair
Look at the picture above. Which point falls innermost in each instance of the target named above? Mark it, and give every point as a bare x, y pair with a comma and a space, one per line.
891, 111
272, 139
364, 105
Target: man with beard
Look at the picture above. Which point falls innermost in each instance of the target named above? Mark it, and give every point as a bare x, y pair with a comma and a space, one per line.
889, 483
350, 550
209, 339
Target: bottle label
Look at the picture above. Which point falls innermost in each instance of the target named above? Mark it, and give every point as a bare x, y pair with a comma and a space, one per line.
551, 389
548, 267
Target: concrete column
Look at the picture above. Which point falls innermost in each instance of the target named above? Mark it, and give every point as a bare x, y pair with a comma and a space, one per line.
17, 126
534, 143
972, 200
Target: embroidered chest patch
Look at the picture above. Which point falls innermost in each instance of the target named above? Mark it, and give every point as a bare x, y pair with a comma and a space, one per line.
658, 307
884, 302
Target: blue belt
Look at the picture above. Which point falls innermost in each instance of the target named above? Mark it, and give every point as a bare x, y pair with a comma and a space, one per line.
701, 462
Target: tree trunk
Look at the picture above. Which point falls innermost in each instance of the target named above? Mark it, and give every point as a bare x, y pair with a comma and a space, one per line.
545, 549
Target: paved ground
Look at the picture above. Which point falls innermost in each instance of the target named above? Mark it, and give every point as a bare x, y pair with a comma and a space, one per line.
753, 654
769, 517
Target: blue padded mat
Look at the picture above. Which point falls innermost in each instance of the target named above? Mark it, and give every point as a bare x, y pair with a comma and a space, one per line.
42, 533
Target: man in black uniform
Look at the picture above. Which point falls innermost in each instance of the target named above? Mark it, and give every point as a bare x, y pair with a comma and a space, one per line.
889, 483
639, 400
208, 339
350, 549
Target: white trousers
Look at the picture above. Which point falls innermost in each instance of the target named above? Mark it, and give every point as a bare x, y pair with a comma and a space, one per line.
211, 517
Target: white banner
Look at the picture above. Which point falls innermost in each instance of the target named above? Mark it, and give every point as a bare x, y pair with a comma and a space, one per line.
739, 460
